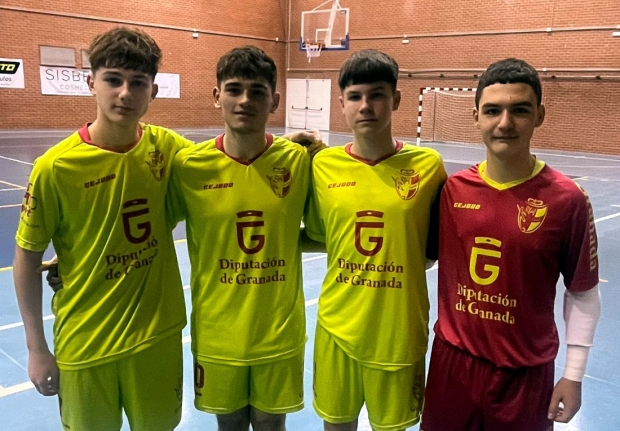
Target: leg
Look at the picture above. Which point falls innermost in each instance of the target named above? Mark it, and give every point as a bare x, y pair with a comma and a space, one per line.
276, 388
223, 390
338, 386
90, 400
455, 390
235, 421
518, 399
394, 398
262, 421
348, 426
152, 386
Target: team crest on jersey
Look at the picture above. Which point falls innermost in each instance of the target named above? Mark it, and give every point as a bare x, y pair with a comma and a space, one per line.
407, 183
280, 181
532, 215
156, 164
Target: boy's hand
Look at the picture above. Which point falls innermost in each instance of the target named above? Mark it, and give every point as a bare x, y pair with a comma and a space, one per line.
43, 372
53, 278
568, 393
311, 139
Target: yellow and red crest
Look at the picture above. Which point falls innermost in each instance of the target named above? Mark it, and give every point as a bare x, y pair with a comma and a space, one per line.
407, 183
280, 181
532, 215
156, 164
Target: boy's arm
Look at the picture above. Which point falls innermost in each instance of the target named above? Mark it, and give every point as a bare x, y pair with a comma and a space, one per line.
581, 314
310, 139
309, 245
42, 367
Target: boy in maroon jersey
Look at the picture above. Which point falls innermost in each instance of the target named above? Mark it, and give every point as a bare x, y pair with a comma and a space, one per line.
509, 227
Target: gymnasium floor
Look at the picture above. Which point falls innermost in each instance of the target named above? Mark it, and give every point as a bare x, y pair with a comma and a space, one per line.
22, 408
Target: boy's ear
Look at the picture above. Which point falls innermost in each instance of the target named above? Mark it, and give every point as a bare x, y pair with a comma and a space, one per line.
90, 80
276, 102
396, 100
155, 91
475, 115
216, 97
541, 115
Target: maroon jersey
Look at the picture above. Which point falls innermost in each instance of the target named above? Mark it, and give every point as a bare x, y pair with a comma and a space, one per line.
502, 250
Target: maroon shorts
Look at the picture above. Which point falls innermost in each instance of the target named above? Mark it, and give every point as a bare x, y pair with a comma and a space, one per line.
465, 393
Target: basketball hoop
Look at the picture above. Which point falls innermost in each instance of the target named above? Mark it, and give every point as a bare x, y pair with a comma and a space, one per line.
313, 51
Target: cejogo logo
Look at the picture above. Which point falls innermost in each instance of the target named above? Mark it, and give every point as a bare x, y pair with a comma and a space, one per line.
9, 67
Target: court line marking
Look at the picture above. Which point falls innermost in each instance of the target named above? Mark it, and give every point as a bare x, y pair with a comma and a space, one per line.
559, 166
577, 157
18, 161
14, 185
617, 206
15, 389
610, 216
10, 358
10, 206
18, 324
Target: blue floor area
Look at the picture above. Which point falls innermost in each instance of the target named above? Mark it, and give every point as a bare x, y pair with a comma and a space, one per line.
22, 408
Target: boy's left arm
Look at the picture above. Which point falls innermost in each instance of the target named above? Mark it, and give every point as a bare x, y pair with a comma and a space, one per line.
310, 139
581, 314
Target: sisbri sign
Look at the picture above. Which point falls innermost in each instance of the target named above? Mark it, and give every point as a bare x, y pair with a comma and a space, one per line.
65, 81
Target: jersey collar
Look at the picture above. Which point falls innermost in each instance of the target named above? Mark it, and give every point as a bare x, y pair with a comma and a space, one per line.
538, 166
85, 137
347, 148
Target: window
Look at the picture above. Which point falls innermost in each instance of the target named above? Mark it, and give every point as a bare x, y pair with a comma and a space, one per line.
54, 56
85, 59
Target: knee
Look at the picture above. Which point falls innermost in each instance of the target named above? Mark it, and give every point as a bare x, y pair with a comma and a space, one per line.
262, 421
238, 420
349, 426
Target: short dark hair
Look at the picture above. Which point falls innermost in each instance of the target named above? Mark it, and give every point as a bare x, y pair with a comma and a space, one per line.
125, 48
368, 66
248, 62
510, 71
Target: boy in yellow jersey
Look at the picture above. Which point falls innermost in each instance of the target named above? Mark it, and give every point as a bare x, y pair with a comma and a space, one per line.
371, 206
99, 197
243, 195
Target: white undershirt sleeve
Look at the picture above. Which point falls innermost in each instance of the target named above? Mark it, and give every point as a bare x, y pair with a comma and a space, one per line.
581, 314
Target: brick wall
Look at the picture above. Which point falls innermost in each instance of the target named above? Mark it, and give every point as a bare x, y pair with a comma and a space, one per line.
193, 59
583, 113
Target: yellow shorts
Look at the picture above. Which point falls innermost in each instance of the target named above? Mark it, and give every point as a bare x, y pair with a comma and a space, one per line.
148, 385
342, 385
274, 387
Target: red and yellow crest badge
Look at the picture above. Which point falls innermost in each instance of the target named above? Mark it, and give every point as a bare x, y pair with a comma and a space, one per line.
532, 215
280, 181
407, 183
156, 164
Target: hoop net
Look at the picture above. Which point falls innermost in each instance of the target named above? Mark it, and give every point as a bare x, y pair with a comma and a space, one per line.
313, 51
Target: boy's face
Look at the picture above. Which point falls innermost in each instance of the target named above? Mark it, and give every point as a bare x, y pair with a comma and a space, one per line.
245, 103
368, 107
123, 96
507, 116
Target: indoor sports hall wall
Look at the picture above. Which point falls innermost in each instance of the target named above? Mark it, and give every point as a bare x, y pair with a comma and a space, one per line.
27, 24
459, 38
450, 41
